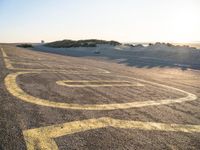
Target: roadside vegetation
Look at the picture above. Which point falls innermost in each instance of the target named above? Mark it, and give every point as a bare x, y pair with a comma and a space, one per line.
80, 43
25, 45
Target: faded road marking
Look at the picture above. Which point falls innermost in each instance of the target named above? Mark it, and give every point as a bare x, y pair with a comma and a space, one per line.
24, 63
9, 65
96, 83
103, 70
43, 138
3, 53
15, 90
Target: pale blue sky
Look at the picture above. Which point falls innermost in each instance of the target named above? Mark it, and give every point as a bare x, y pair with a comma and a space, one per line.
122, 20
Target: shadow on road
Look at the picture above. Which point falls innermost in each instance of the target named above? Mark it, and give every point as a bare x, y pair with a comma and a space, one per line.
138, 58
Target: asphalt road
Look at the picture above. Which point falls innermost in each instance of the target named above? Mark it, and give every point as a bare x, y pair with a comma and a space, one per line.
49, 101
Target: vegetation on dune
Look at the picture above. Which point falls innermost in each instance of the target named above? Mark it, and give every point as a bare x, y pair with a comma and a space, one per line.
159, 44
25, 45
80, 43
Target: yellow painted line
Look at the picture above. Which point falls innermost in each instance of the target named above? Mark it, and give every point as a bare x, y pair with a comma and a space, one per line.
43, 138
3, 53
103, 70
52, 70
8, 64
96, 83
24, 63
6, 60
15, 90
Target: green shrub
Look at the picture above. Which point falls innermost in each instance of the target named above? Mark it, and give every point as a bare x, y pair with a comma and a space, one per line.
80, 43
25, 45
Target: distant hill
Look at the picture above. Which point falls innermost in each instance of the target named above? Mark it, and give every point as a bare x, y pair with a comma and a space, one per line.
80, 43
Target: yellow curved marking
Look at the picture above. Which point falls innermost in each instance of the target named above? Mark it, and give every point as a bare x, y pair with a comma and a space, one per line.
96, 83
42, 138
15, 90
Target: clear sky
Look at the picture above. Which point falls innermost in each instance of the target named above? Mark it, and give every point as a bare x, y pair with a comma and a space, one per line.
122, 20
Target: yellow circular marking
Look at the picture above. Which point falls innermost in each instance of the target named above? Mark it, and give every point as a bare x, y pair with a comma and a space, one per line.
15, 90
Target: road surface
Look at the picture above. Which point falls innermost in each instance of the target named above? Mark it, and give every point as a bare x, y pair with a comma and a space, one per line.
51, 101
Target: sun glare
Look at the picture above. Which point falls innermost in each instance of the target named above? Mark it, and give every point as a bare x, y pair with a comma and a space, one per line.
185, 23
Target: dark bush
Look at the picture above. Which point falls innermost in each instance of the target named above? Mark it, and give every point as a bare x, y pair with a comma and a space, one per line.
150, 44
80, 43
139, 45
25, 45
